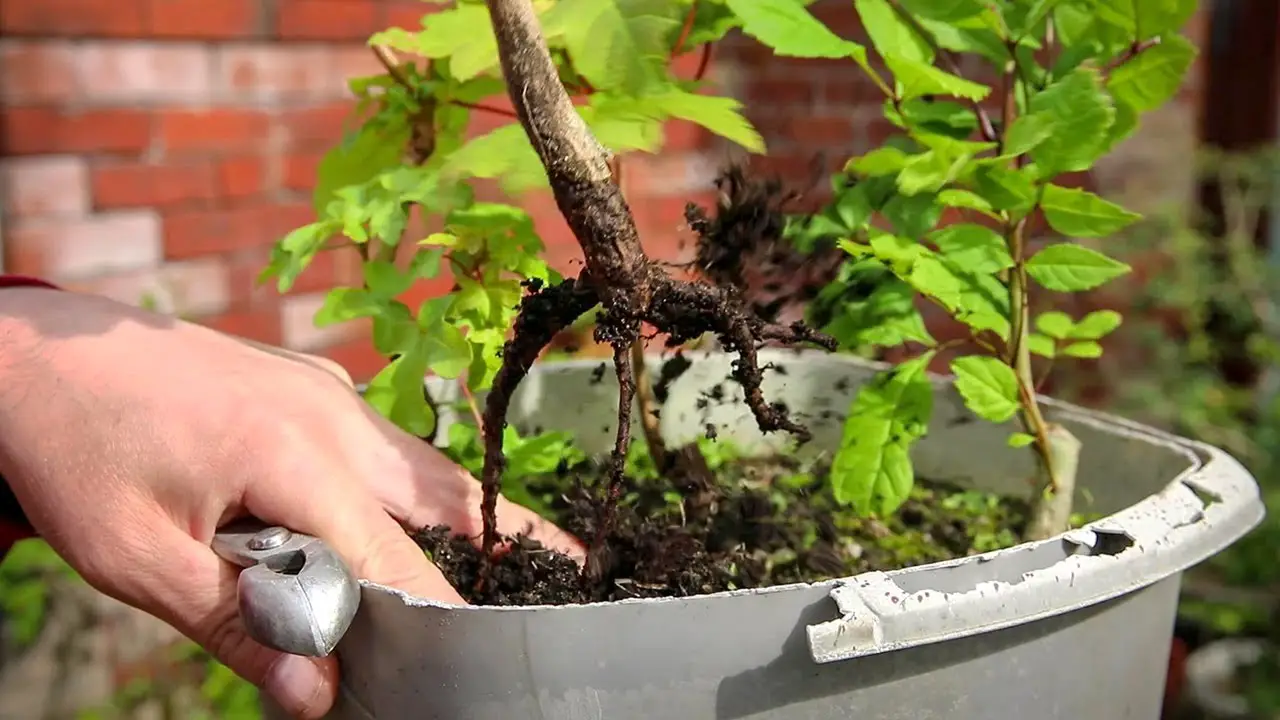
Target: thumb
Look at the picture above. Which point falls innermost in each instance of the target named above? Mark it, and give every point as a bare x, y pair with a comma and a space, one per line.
198, 598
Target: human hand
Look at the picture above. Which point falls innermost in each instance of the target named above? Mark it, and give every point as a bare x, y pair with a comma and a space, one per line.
129, 438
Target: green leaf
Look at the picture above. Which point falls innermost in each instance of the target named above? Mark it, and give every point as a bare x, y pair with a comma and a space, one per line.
1067, 267
890, 33
1083, 349
343, 304
463, 34
503, 153
1005, 189
949, 11
1080, 213
397, 393
913, 215
1096, 325
1020, 439
1157, 17
887, 318
1082, 114
927, 173
1026, 133
446, 350
357, 160
988, 386
790, 29
917, 79
1152, 77
1055, 323
974, 248
872, 469
1042, 345
884, 160
965, 199
384, 279
615, 44
721, 115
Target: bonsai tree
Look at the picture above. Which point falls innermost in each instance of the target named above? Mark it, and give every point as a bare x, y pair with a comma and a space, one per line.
1073, 78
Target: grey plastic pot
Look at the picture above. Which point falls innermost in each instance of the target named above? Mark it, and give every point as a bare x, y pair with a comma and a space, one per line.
1077, 626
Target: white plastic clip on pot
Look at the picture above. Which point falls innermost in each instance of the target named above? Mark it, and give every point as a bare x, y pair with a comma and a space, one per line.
295, 594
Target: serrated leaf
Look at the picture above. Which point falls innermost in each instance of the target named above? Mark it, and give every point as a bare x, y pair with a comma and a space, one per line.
791, 30
974, 248
1055, 323
1067, 267
343, 304
1083, 349
912, 215
446, 350
384, 279
965, 199
926, 173
884, 160
917, 79
1004, 188
463, 34
1026, 133
1152, 77
872, 468
1082, 114
356, 160
1020, 439
988, 386
1096, 325
1080, 213
397, 393
502, 153
1157, 17
615, 44
887, 318
889, 32
721, 115
943, 10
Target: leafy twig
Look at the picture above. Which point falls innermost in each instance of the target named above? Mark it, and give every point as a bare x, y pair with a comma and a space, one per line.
984, 119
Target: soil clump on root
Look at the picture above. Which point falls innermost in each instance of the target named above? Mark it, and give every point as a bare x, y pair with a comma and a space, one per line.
768, 521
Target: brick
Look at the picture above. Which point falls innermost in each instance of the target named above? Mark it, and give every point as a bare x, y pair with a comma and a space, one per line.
279, 72
298, 329
42, 187
241, 177
681, 135
141, 184
185, 289
298, 171
207, 232
315, 127
353, 62
144, 72
213, 130
823, 131
262, 325
780, 93
326, 19
37, 71
407, 15
33, 131
72, 18
847, 89
204, 19
75, 249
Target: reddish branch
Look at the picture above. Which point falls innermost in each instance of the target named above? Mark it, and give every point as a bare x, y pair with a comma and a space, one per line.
628, 285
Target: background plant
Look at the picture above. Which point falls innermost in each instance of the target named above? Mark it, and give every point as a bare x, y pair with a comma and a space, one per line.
1073, 79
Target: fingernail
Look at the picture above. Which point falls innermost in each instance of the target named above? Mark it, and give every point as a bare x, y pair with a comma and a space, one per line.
297, 685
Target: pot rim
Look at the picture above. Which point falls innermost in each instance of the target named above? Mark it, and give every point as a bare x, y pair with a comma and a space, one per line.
1206, 507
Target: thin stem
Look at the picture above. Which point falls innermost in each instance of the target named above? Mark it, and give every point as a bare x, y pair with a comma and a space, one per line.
684, 31
471, 402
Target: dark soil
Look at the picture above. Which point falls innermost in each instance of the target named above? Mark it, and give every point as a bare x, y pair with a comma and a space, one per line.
767, 522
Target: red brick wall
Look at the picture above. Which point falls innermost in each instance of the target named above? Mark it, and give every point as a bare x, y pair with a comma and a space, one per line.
158, 147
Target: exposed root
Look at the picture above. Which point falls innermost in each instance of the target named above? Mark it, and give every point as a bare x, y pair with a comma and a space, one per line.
628, 285
617, 462
543, 313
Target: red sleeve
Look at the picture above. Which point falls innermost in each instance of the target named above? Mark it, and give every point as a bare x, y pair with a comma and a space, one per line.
13, 523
